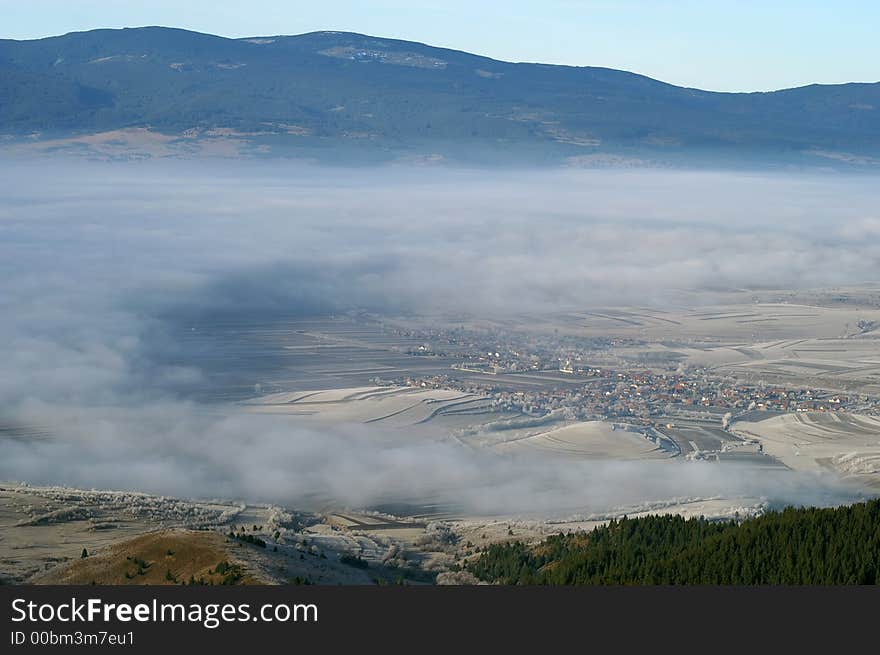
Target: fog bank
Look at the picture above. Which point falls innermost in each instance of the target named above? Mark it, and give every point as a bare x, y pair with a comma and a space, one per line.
99, 262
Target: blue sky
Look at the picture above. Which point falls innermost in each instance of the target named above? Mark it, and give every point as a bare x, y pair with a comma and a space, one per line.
727, 45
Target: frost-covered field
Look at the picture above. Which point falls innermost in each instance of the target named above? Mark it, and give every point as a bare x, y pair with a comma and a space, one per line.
848, 444
591, 439
387, 406
43, 528
424, 411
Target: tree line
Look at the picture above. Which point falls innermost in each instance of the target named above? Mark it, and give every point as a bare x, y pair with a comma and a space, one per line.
796, 546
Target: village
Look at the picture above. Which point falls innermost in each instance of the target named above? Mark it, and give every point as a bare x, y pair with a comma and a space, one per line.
505, 367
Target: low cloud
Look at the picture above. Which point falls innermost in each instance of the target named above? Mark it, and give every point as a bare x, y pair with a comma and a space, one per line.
184, 450
102, 264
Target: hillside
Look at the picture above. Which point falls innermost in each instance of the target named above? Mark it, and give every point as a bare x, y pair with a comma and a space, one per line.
796, 547
381, 98
171, 557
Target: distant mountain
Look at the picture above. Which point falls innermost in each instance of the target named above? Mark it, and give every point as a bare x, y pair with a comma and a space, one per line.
336, 94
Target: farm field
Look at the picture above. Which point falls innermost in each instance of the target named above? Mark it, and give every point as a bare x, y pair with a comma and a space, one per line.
846, 444
590, 439
396, 407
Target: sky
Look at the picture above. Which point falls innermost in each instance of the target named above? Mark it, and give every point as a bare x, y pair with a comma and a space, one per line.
720, 45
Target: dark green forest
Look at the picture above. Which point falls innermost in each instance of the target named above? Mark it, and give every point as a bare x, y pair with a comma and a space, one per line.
810, 546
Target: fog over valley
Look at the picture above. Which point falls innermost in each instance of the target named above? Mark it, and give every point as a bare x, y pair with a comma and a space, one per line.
450, 343
105, 266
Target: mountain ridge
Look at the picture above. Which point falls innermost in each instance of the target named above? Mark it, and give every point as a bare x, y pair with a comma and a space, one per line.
330, 93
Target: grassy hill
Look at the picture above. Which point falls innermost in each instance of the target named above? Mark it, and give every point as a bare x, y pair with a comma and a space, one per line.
352, 93
170, 557
795, 547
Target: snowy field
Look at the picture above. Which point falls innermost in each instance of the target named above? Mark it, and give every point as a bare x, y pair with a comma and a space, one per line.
388, 406
848, 444
591, 439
